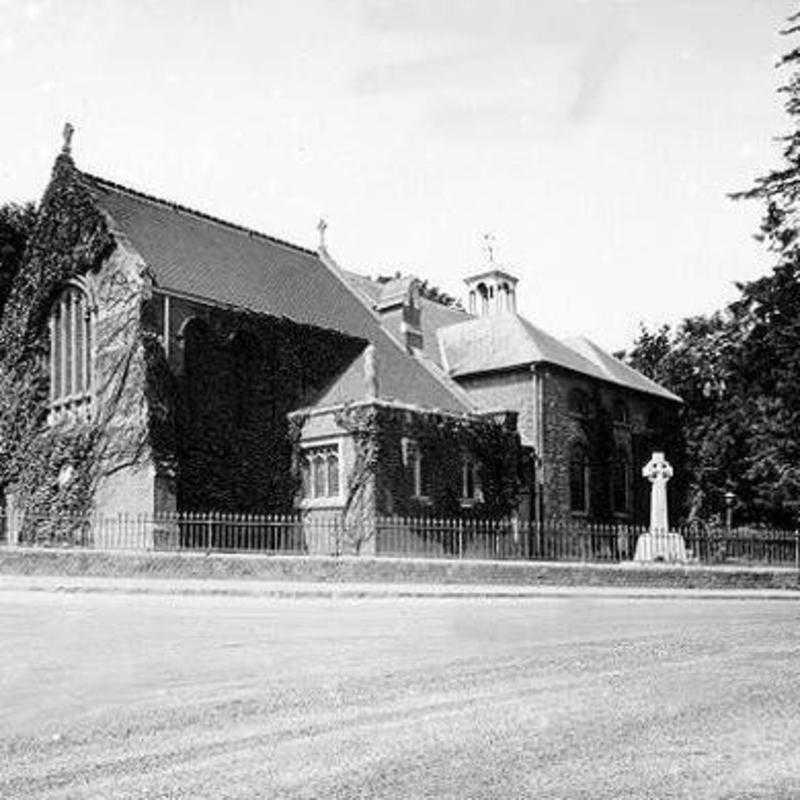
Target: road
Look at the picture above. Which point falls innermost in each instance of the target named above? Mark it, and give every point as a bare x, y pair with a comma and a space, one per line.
114, 696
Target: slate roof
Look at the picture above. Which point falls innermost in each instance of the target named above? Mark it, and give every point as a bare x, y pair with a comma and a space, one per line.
617, 371
207, 258
433, 317
504, 341
465, 345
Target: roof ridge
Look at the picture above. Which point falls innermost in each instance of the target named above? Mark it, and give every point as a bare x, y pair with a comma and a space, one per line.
197, 213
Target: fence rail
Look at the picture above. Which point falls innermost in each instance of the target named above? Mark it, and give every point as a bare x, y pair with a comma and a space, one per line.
424, 537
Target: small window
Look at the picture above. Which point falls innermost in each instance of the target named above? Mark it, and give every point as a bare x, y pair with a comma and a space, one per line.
71, 343
470, 487
321, 472
414, 461
620, 413
621, 483
578, 479
578, 403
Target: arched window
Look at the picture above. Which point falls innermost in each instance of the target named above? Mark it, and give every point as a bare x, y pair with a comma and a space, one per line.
71, 345
246, 362
578, 403
578, 479
621, 482
483, 293
620, 412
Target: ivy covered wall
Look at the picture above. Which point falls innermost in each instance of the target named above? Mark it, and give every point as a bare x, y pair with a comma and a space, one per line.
229, 382
381, 481
58, 468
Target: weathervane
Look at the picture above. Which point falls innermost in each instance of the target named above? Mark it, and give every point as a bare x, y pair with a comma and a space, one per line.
488, 239
322, 226
67, 134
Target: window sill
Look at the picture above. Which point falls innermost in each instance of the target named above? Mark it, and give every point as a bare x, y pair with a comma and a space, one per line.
321, 502
469, 502
579, 514
422, 499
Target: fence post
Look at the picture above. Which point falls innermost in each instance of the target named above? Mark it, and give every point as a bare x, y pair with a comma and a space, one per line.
797, 550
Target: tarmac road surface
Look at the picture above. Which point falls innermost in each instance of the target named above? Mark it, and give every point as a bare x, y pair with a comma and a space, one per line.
115, 696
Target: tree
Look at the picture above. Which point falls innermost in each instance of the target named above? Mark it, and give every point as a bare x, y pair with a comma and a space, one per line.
769, 314
16, 225
738, 370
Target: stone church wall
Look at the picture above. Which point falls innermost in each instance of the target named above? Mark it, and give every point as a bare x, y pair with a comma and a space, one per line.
652, 424
511, 391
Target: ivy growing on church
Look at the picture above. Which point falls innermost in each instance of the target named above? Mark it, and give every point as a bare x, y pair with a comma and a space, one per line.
380, 475
242, 374
69, 239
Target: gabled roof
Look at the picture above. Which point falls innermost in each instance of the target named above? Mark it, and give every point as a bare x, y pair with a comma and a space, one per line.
505, 341
203, 257
502, 341
351, 382
617, 371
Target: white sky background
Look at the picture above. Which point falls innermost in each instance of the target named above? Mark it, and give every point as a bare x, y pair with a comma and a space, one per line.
596, 139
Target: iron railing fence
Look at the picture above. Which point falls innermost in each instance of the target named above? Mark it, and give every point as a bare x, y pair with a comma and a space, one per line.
233, 533
423, 537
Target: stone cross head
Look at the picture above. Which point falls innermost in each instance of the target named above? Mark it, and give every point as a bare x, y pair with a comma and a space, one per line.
657, 469
67, 135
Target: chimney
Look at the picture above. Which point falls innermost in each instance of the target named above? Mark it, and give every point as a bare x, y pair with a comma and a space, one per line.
411, 324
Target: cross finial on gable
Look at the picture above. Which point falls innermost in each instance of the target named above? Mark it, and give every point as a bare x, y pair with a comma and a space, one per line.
67, 134
322, 226
488, 239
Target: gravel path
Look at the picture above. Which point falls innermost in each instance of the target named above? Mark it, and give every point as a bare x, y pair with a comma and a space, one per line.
144, 696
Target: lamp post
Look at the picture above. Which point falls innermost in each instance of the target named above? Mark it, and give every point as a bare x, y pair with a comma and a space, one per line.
729, 498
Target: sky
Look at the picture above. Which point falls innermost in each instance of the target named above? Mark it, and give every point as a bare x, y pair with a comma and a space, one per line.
596, 140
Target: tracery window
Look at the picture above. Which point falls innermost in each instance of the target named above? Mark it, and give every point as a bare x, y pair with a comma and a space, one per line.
578, 479
321, 472
71, 344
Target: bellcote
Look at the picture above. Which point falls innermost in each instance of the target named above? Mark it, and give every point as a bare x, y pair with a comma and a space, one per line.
491, 293
494, 290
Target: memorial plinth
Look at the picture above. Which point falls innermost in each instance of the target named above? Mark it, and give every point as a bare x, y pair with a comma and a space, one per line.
659, 544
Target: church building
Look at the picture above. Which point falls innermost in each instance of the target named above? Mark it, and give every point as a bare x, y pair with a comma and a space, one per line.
154, 358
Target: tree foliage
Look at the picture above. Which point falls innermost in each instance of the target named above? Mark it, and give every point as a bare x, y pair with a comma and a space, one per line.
426, 290
738, 370
16, 226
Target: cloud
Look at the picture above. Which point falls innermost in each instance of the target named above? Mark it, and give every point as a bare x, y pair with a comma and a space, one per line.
598, 60
474, 55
